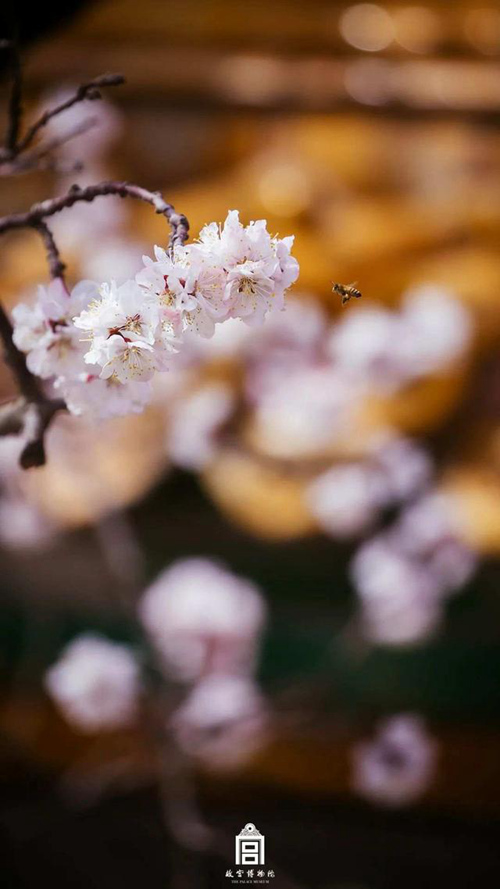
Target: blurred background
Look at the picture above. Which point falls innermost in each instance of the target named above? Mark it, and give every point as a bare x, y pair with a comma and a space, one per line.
346, 460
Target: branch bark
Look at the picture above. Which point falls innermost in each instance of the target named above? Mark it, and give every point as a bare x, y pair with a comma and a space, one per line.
39, 212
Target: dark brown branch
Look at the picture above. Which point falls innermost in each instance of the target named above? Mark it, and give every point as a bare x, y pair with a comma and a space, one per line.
34, 411
39, 158
56, 265
39, 212
89, 91
28, 384
15, 106
38, 418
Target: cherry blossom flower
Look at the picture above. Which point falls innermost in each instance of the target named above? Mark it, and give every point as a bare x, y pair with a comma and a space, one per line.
195, 422
404, 467
131, 331
385, 349
189, 289
223, 721
45, 332
303, 410
119, 311
259, 268
203, 619
23, 526
95, 683
100, 399
398, 765
404, 576
429, 530
400, 600
438, 329
346, 499
366, 345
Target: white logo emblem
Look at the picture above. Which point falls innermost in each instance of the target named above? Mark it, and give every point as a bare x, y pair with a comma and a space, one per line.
250, 846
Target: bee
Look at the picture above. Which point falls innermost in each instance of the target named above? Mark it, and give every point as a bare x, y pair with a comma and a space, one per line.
347, 291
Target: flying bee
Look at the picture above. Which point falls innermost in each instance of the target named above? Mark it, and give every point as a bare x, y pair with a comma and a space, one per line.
346, 291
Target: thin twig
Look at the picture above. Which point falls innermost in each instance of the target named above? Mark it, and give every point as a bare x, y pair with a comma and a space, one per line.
56, 265
34, 411
39, 212
90, 90
39, 158
15, 106
28, 384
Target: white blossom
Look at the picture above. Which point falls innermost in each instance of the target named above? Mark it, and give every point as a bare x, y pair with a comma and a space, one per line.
437, 329
125, 334
404, 467
404, 577
366, 344
259, 268
345, 500
222, 721
202, 618
400, 600
303, 411
195, 422
100, 399
45, 332
95, 683
398, 765
22, 526
428, 530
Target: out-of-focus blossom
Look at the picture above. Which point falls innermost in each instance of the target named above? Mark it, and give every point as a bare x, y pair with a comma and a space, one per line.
385, 350
222, 721
345, 500
398, 765
95, 683
403, 467
203, 619
112, 257
99, 399
437, 329
366, 344
285, 342
404, 576
399, 597
23, 526
428, 530
195, 422
96, 140
303, 412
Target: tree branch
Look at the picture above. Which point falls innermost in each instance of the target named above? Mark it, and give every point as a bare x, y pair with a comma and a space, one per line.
39, 158
15, 106
34, 411
39, 212
56, 265
14, 146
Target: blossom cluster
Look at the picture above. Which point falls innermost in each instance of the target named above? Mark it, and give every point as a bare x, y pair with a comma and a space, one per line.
404, 575
95, 683
205, 624
397, 766
103, 344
